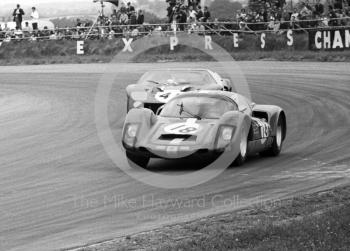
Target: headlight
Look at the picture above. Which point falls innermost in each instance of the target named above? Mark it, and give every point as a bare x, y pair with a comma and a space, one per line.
132, 131
130, 134
226, 133
224, 136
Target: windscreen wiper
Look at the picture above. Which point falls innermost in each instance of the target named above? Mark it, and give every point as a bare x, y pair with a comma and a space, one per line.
182, 110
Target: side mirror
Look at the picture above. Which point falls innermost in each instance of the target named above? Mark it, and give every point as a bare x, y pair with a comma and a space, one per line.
243, 110
253, 105
228, 86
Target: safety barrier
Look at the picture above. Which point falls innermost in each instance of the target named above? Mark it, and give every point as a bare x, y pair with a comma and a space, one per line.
218, 28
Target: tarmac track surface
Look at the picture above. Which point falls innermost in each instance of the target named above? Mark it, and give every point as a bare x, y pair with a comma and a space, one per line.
59, 189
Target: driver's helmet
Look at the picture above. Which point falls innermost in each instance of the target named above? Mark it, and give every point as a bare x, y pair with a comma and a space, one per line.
171, 82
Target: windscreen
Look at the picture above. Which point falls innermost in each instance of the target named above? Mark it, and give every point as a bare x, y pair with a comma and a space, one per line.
198, 107
178, 78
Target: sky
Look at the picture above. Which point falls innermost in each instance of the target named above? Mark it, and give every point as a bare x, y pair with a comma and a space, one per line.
34, 2
39, 1
31, 1
58, 8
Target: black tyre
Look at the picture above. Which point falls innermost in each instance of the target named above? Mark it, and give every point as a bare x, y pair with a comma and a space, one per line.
128, 104
243, 149
139, 160
277, 143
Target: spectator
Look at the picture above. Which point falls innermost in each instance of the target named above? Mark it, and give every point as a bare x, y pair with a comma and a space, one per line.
238, 15
294, 19
135, 32
111, 34
206, 14
181, 17
18, 14
124, 19
114, 21
192, 15
319, 8
243, 14
338, 4
295, 15
45, 32
199, 13
170, 9
129, 9
332, 16
35, 17
133, 18
54, 35
2, 34
79, 24
140, 17
305, 12
7, 38
26, 28
324, 22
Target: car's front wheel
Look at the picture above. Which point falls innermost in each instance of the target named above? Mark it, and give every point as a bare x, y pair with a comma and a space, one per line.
139, 160
128, 104
243, 149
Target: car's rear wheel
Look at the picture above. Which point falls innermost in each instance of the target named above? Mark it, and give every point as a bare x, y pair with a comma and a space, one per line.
139, 160
243, 149
277, 143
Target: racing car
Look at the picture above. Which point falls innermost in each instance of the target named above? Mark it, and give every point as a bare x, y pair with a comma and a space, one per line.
204, 124
156, 87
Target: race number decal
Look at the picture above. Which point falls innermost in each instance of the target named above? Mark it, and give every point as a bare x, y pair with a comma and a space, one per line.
182, 128
265, 129
262, 128
165, 96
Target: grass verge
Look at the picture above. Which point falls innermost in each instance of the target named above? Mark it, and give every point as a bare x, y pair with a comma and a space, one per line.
318, 221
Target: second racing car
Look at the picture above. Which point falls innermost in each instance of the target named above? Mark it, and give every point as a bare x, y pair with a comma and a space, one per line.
156, 87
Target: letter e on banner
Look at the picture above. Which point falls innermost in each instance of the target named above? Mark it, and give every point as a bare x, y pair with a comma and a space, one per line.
262, 39
80, 47
174, 41
208, 41
290, 38
235, 40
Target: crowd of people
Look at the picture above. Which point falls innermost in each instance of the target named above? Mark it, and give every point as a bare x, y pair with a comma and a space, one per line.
276, 15
123, 20
188, 16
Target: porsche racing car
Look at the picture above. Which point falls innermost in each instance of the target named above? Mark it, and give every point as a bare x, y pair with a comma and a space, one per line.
157, 87
204, 124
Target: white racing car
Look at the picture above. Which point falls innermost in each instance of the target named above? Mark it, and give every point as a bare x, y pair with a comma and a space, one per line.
205, 124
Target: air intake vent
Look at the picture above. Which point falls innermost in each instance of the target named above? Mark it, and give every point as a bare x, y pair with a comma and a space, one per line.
185, 137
